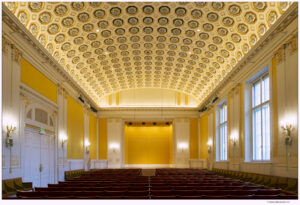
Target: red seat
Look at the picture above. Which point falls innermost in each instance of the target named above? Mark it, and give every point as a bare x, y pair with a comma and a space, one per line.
137, 193
214, 197
184, 192
114, 193
190, 197
136, 197
288, 197
163, 197
265, 196
161, 192
240, 196
268, 191
206, 192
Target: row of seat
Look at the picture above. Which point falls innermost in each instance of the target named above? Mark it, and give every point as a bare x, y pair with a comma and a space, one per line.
11, 186
158, 187
69, 175
287, 184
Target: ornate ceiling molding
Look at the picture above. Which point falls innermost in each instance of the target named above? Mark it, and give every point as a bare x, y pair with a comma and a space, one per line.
18, 27
189, 47
290, 14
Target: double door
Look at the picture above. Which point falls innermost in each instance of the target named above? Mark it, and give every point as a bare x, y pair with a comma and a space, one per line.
38, 156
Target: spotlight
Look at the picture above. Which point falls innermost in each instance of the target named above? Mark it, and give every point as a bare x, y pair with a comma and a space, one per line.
94, 109
154, 123
167, 123
80, 98
143, 123
203, 109
214, 100
130, 123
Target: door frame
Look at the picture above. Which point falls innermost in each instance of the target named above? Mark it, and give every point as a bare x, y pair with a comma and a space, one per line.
30, 99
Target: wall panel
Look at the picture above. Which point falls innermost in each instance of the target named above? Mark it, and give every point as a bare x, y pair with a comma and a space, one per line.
194, 138
93, 136
74, 129
203, 136
102, 132
148, 144
37, 81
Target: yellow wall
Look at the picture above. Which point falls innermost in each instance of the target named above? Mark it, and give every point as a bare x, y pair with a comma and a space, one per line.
204, 136
274, 110
194, 138
148, 144
102, 133
74, 129
93, 136
38, 81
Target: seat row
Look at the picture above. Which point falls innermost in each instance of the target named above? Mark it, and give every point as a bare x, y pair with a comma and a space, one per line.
287, 184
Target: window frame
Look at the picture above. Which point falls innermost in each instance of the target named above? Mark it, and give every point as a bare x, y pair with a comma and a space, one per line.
220, 124
260, 79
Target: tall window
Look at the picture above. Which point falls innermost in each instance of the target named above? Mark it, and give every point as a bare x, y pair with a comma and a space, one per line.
261, 118
223, 131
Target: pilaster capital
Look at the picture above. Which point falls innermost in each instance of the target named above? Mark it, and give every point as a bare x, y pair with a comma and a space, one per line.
25, 99
5, 44
16, 54
279, 55
86, 110
60, 89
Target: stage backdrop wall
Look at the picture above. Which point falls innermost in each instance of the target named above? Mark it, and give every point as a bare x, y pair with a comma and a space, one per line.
148, 144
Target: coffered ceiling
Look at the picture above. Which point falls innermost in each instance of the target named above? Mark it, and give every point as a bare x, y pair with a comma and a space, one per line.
109, 47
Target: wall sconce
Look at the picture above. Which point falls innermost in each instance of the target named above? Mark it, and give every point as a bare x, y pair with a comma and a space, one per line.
182, 146
234, 140
287, 130
63, 140
9, 140
87, 146
209, 146
114, 146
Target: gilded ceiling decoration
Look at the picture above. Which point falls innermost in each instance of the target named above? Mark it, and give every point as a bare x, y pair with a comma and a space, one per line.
108, 47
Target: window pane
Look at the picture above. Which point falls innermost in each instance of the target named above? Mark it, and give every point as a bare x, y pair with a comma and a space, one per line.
221, 114
223, 142
266, 131
225, 113
257, 146
256, 94
265, 89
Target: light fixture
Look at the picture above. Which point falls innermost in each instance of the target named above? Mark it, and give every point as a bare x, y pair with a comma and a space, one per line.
182, 146
87, 146
9, 140
287, 130
114, 146
209, 146
234, 139
63, 140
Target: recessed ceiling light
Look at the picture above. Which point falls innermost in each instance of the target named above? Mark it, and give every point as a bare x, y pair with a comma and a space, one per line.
97, 30
198, 30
